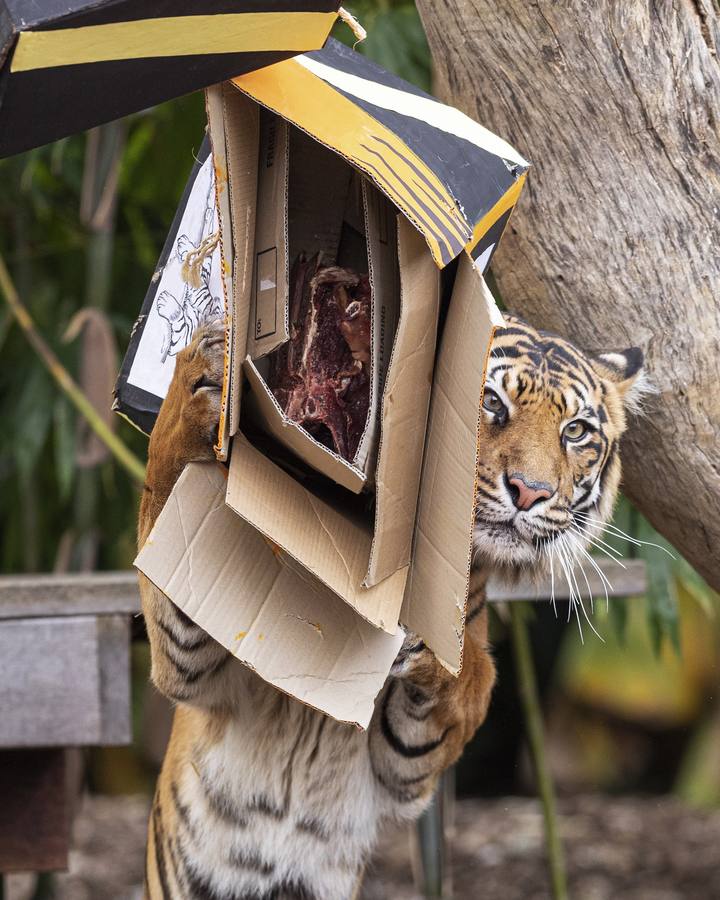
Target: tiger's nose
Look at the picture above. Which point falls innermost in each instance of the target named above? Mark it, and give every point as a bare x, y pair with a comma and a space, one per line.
525, 494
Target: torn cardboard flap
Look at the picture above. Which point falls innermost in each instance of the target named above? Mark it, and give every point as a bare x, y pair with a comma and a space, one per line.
293, 632
437, 587
269, 325
381, 252
332, 545
214, 107
406, 398
233, 124
238, 132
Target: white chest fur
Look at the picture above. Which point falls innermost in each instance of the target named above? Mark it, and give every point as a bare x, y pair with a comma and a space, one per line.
285, 796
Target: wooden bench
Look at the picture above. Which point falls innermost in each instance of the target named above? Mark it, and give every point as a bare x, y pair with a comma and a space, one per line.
64, 684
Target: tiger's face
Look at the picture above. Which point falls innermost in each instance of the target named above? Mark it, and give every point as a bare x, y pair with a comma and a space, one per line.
551, 422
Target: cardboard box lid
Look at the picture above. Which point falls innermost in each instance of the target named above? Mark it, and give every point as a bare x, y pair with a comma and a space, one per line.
284, 625
437, 588
450, 176
134, 55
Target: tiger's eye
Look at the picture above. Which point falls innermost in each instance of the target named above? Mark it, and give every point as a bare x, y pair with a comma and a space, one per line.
573, 431
491, 402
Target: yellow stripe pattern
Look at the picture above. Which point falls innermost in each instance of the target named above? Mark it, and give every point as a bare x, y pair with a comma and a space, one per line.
173, 36
302, 98
508, 200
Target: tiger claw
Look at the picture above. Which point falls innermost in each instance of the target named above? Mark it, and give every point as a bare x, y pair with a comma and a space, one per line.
412, 651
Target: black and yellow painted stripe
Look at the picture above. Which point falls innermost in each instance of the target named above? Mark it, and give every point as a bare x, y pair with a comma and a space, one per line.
198, 35
489, 230
454, 191
308, 102
80, 63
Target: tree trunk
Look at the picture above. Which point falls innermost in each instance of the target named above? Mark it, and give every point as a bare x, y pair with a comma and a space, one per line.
616, 241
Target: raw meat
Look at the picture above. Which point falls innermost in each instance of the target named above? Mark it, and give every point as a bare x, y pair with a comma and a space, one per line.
321, 376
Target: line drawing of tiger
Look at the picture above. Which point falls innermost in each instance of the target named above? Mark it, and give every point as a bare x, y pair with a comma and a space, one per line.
194, 307
261, 797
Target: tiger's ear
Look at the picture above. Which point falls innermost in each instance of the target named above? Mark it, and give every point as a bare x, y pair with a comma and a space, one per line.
625, 369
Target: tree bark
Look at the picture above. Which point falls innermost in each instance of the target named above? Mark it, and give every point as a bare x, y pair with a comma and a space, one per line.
616, 241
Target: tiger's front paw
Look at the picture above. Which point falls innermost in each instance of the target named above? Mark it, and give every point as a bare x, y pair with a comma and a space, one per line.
413, 657
199, 369
187, 427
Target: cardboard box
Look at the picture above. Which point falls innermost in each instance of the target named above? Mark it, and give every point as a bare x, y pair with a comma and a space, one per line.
292, 628
134, 56
443, 187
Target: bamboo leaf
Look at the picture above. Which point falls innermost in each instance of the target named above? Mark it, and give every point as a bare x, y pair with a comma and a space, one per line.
64, 447
32, 419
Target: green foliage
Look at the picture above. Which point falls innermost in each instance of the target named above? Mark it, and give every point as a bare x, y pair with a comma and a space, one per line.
667, 575
396, 39
46, 248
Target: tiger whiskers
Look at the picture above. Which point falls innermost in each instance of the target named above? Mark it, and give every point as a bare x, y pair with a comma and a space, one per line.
567, 549
564, 550
570, 545
614, 531
611, 552
558, 552
603, 578
549, 554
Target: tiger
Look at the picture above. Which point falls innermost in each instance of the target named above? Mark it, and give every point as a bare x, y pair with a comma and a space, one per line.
263, 798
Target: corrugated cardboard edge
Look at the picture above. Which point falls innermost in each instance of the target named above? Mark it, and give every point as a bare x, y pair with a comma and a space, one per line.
399, 456
283, 625
437, 590
216, 128
381, 276
240, 123
331, 545
295, 437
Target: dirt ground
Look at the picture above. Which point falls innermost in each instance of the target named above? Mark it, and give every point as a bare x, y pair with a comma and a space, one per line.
627, 847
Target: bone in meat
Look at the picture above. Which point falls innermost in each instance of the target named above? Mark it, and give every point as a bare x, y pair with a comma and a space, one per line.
321, 377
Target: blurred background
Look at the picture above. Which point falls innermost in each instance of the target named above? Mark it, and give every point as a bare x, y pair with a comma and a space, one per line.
633, 720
